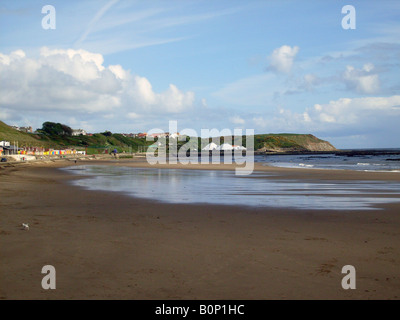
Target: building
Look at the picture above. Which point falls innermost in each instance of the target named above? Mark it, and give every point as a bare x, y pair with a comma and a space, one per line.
23, 129
4, 143
174, 135
158, 135
26, 129
10, 150
78, 132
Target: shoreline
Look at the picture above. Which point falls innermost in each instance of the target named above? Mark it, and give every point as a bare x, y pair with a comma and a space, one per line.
106, 245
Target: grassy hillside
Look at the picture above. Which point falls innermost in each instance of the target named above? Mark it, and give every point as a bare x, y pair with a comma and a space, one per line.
101, 141
290, 142
95, 144
24, 139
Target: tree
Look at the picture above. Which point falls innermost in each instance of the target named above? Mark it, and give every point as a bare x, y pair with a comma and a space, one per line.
52, 128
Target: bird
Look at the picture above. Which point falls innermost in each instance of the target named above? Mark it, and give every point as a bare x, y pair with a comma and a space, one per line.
25, 226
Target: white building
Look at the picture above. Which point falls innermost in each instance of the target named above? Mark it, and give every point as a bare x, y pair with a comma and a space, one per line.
4, 143
23, 129
78, 132
174, 135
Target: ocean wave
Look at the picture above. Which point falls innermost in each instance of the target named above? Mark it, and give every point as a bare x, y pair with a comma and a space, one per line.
381, 170
306, 165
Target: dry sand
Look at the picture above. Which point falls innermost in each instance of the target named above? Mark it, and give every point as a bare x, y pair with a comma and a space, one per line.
110, 246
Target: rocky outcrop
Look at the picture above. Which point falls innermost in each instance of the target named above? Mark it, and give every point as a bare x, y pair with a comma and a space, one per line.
320, 146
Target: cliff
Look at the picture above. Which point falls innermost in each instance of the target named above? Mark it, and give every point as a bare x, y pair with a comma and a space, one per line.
287, 142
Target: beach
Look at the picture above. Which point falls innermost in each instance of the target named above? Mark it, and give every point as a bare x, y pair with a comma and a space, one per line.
106, 245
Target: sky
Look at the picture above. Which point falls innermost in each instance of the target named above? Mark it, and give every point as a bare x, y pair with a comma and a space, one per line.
274, 66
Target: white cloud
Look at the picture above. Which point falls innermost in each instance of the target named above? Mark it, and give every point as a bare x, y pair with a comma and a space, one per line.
357, 111
175, 101
119, 72
309, 80
77, 81
237, 120
4, 115
362, 80
133, 115
281, 59
372, 117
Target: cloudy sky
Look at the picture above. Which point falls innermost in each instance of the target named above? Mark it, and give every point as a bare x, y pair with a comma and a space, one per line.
269, 65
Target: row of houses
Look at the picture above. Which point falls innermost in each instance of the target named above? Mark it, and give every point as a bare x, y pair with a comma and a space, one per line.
75, 132
23, 129
144, 135
78, 132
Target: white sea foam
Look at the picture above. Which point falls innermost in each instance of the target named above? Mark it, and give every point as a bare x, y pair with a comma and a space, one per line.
306, 165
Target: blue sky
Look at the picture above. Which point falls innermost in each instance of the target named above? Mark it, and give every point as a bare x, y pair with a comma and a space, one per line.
268, 65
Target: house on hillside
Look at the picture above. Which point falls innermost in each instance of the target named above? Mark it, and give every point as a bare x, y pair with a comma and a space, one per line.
129, 135
158, 135
23, 129
26, 129
78, 132
174, 135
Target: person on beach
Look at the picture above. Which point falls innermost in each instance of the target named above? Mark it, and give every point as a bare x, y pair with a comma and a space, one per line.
114, 153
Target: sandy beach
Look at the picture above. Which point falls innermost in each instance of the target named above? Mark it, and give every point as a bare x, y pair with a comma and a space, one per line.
105, 245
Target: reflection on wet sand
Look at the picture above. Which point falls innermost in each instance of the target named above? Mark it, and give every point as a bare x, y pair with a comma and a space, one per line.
225, 188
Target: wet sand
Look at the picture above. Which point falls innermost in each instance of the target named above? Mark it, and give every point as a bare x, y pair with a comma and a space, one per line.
110, 246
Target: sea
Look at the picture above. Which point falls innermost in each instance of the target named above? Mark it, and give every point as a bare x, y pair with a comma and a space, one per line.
383, 160
260, 189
